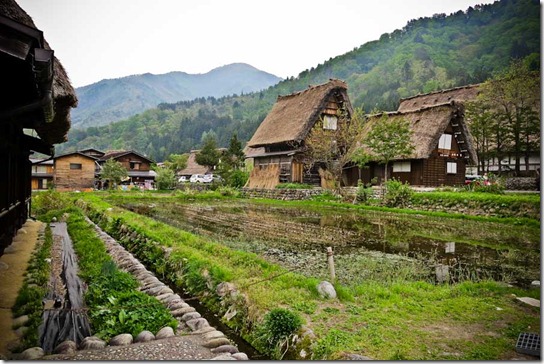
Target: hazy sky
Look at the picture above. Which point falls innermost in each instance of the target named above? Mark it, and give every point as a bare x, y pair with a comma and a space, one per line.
98, 39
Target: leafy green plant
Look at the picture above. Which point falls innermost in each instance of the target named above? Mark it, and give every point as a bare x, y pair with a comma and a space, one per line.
45, 201
397, 194
294, 186
364, 191
277, 328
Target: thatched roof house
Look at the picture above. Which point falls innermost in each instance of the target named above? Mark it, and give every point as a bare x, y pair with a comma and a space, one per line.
276, 145
442, 144
192, 166
53, 97
459, 94
293, 116
37, 95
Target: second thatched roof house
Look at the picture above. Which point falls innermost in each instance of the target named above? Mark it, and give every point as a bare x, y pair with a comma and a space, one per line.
442, 147
280, 137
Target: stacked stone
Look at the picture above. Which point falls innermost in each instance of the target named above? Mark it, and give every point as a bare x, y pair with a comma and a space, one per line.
183, 312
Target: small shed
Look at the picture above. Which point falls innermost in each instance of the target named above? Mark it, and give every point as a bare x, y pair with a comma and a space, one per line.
282, 133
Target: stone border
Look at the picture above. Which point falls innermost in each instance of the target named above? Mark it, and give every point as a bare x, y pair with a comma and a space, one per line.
183, 312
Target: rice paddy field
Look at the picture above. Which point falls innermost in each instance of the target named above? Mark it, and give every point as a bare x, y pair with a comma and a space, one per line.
410, 286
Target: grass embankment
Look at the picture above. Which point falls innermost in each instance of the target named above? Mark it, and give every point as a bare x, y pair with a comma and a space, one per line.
115, 306
31, 294
388, 319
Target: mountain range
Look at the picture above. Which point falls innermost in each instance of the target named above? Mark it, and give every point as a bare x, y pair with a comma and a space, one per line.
114, 99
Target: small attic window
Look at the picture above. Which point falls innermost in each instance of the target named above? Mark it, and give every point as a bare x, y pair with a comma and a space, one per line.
330, 122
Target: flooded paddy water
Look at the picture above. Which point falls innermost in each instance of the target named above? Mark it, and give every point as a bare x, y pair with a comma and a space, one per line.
366, 244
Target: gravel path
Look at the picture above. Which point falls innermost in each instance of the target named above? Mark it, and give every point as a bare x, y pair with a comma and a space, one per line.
173, 348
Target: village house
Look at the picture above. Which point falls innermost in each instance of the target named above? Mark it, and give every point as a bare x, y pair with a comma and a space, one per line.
42, 173
74, 172
276, 147
138, 167
38, 97
193, 167
442, 144
463, 95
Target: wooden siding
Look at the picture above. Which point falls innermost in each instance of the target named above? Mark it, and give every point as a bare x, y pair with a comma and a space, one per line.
67, 179
127, 159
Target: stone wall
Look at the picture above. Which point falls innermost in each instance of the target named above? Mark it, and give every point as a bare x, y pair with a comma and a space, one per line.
281, 193
522, 184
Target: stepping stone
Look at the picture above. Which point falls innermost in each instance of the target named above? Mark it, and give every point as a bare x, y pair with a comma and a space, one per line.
197, 323
144, 336
32, 354
240, 356
225, 349
66, 347
190, 316
164, 333
214, 343
530, 301
92, 342
121, 340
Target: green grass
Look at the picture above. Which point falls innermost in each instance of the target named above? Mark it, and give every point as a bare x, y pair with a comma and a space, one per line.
388, 319
31, 294
115, 305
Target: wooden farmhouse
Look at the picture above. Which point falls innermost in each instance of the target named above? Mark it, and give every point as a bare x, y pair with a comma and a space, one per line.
138, 167
442, 147
75, 172
281, 135
42, 173
38, 96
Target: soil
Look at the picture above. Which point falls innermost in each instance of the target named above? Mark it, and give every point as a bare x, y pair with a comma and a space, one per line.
13, 264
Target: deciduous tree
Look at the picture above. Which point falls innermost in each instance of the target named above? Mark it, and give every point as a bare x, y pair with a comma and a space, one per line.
388, 139
113, 172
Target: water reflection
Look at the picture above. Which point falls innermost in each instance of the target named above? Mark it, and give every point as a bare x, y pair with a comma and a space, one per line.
466, 247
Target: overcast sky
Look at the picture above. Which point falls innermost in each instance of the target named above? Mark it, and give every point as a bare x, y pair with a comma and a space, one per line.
99, 39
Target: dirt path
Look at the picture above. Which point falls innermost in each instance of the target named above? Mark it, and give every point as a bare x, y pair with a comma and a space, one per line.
13, 264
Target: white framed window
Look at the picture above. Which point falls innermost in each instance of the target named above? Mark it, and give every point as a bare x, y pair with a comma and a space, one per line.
451, 167
404, 166
330, 122
445, 142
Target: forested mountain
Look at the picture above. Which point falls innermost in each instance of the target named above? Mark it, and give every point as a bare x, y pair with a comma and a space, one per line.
427, 54
111, 100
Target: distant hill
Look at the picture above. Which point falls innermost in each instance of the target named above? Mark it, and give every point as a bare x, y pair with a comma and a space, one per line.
428, 54
110, 100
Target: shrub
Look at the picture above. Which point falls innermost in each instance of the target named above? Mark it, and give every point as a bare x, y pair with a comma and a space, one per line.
364, 191
46, 201
237, 179
278, 327
326, 195
294, 186
397, 194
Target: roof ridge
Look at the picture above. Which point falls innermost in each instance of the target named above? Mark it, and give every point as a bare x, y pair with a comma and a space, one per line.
441, 91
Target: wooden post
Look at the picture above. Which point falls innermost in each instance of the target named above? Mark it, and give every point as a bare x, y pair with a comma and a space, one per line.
330, 260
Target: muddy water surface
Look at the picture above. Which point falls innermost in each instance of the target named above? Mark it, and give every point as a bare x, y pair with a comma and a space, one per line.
297, 237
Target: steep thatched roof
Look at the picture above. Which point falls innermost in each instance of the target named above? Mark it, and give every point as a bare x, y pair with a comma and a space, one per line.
192, 166
292, 116
427, 125
459, 94
64, 97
